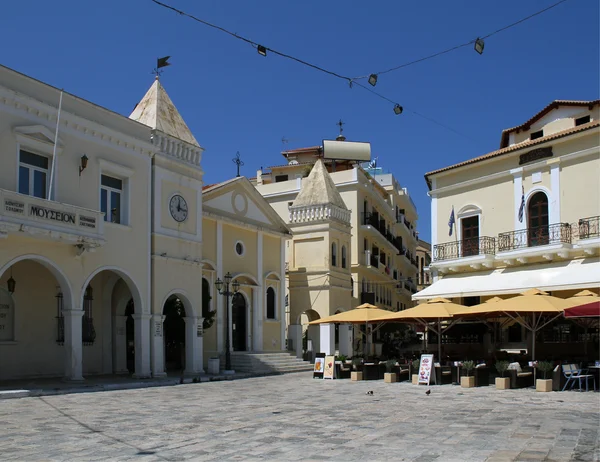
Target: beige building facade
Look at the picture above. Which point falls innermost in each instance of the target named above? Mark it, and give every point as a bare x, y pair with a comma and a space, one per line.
524, 216
376, 260
102, 238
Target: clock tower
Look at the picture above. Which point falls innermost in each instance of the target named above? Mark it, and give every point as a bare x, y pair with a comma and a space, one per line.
176, 253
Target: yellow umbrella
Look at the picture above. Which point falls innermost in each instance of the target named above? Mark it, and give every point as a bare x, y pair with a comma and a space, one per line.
583, 298
365, 313
527, 309
432, 310
362, 314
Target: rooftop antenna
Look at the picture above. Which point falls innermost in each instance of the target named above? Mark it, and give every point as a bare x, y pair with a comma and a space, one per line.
236, 160
160, 62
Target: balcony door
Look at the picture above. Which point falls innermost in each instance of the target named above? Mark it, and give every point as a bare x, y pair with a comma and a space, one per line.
537, 216
470, 236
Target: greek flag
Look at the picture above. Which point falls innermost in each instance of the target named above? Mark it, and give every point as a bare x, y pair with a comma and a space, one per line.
522, 207
451, 222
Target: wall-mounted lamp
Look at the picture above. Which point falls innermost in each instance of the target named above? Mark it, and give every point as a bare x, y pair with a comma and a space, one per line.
83, 165
11, 284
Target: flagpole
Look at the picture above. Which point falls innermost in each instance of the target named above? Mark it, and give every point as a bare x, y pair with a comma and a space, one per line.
55, 143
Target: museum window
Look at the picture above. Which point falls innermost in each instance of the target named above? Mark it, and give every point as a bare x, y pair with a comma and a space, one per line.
271, 303
111, 195
343, 256
33, 174
333, 254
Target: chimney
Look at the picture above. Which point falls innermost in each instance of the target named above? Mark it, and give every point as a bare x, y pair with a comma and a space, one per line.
259, 179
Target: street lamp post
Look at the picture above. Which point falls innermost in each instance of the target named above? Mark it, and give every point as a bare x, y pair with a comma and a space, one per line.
223, 288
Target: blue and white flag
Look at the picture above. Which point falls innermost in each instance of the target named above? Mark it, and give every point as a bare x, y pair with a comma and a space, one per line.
522, 207
451, 222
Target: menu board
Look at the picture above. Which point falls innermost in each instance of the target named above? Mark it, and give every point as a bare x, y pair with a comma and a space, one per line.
319, 366
329, 367
425, 369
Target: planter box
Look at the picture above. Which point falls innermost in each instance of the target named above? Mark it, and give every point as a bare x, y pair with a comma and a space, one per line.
415, 379
355, 376
543, 385
390, 377
467, 382
502, 383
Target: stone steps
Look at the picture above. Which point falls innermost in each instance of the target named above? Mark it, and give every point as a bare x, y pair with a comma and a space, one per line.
276, 363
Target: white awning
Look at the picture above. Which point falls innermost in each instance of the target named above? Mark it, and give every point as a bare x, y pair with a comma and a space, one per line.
567, 275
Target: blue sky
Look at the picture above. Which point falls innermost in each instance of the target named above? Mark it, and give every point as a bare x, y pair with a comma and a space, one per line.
236, 100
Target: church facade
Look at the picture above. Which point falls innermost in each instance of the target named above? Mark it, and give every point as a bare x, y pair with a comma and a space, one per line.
108, 257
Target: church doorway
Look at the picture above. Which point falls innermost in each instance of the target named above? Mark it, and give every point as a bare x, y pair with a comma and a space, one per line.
174, 333
238, 322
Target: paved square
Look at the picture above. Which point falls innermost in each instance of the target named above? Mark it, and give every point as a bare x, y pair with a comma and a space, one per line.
295, 417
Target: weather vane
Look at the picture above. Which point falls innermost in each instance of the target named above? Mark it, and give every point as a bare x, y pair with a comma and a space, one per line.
160, 62
236, 160
341, 125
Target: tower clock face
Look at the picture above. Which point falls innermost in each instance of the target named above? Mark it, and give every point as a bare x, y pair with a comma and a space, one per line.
178, 208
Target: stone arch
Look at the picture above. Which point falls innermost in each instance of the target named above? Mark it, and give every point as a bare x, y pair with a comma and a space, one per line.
123, 274
311, 314
273, 275
247, 276
469, 209
209, 265
59, 275
184, 297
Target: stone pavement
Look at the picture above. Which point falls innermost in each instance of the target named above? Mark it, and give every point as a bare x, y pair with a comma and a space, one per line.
295, 417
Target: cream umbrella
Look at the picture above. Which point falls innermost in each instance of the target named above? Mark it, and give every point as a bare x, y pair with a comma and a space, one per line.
362, 314
533, 309
434, 310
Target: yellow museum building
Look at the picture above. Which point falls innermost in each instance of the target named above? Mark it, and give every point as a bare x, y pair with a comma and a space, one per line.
110, 244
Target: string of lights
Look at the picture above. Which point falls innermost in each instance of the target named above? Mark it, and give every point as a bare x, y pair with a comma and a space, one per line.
478, 45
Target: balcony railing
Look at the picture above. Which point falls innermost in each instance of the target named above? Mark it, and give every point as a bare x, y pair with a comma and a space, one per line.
483, 245
589, 227
374, 220
558, 233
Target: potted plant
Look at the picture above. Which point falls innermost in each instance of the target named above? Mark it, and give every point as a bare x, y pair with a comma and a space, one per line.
544, 384
468, 381
415, 371
502, 383
389, 376
341, 358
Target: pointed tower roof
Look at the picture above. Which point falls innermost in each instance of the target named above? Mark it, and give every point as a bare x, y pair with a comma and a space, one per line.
158, 111
319, 189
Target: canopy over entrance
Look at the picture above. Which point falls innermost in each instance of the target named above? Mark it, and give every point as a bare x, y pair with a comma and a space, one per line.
576, 274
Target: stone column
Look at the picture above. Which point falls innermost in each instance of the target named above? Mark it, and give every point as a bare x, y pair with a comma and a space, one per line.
346, 340
295, 335
314, 340
142, 345
327, 339
191, 345
158, 345
200, 346
73, 345
120, 360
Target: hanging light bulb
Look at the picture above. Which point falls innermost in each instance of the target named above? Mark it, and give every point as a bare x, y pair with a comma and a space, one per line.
398, 109
373, 79
479, 44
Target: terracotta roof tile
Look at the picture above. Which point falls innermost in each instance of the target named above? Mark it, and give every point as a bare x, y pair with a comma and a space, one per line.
516, 147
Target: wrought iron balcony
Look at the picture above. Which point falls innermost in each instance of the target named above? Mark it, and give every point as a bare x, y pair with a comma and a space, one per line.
470, 247
589, 228
374, 220
88, 333
558, 233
